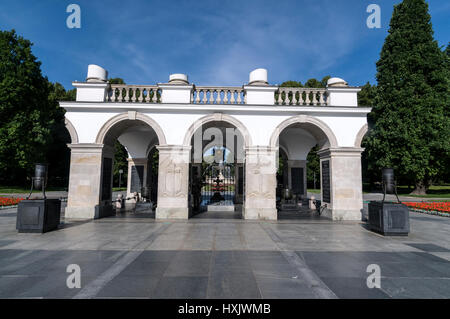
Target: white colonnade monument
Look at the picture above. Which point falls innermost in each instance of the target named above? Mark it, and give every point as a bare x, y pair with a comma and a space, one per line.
180, 121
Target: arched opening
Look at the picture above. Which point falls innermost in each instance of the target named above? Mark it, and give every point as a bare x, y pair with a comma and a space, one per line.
216, 172
298, 140
137, 167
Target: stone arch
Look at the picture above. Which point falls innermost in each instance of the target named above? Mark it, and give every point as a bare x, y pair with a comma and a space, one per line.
324, 128
284, 149
360, 136
72, 131
217, 117
131, 116
150, 149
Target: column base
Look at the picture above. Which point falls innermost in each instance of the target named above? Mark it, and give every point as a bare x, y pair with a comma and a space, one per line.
259, 214
342, 215
95, 212
172, 213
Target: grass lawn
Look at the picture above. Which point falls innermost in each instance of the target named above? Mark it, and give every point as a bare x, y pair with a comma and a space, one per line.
434, 192
26, 190
441, 191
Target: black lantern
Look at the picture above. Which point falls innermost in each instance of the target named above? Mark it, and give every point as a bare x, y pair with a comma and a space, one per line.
388, 180
39, 180
389, 218
38, 215
388, 183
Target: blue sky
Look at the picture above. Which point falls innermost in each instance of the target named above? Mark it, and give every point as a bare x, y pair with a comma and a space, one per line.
214, 42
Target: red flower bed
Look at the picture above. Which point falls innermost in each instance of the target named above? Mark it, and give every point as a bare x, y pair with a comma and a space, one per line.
436, 206
5, 201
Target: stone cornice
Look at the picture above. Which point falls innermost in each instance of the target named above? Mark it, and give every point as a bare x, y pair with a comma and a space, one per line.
260, 149
90, 84
191, 108
341, 152
173, 148
86, 148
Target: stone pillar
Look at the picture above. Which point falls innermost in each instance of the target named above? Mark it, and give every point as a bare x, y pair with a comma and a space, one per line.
137, 167
90, 181
261, 181
239, 183
173, 182
341, 169
297, 164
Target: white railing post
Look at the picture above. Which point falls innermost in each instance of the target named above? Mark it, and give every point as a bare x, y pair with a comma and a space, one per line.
96, 86
258, 91
178, 90
340, 94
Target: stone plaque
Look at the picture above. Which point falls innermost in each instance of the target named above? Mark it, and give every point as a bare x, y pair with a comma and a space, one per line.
298, 186
326, 185
107, 179
137, 178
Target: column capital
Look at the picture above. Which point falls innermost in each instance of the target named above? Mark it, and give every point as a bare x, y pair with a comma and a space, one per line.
341, 152
174, 148
137, 160
86, 148
261, 149
294, 163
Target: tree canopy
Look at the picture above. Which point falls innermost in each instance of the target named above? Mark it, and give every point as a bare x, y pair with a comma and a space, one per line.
26, 116
410, 123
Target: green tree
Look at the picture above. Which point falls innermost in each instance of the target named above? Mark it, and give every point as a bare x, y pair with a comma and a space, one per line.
121, 154
292, 84
58, 154
313, 168
410, 129
116, 81
313, 83
120, 163
367, 95
26, 116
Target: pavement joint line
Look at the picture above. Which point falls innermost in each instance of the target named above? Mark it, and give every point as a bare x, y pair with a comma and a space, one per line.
309, 276
93, 288
34, 259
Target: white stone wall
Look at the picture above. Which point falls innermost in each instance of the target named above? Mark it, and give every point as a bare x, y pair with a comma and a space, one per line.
261, 125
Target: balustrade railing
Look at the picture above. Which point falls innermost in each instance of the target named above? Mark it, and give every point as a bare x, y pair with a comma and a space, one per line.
134, 93
301, 96
288, 96
218, 95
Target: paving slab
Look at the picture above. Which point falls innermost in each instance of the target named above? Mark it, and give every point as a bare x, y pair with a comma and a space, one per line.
136, 256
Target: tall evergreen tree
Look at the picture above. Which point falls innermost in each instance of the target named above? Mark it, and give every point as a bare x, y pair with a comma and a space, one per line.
410, 129
367, 95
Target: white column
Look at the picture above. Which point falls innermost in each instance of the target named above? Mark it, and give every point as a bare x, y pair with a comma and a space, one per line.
88, 197
260, 180
173, 182
345, 179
